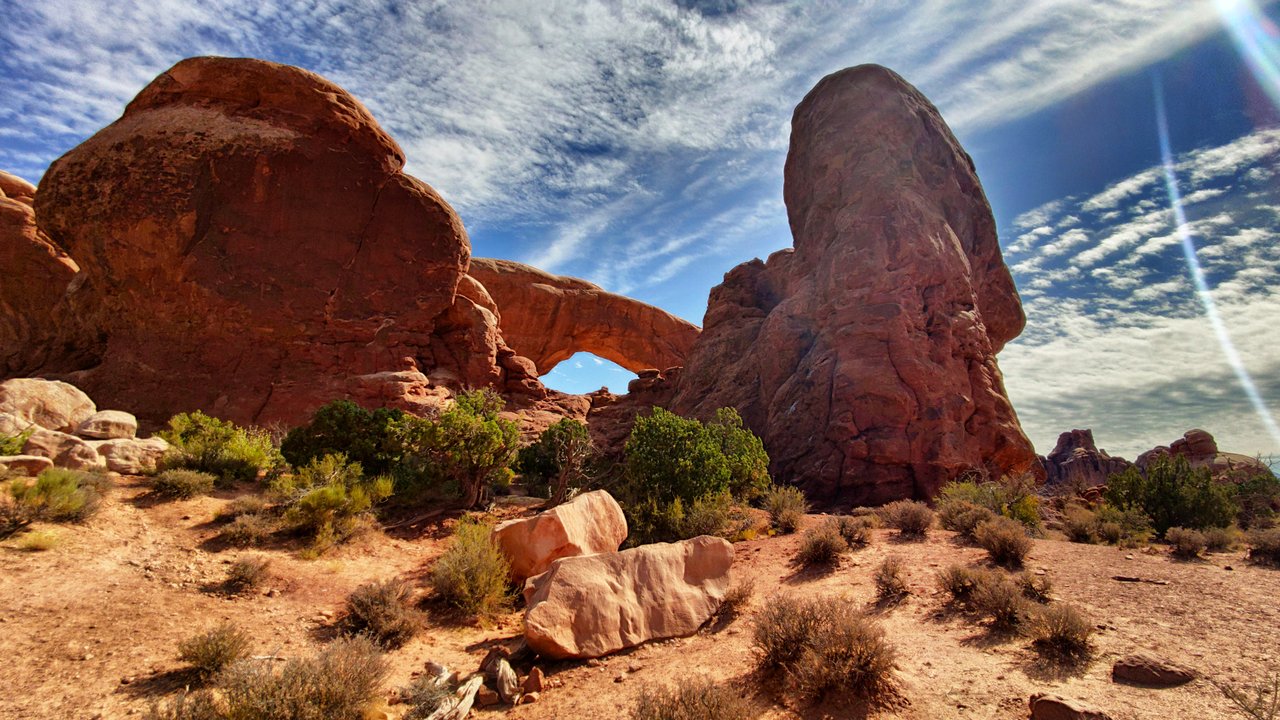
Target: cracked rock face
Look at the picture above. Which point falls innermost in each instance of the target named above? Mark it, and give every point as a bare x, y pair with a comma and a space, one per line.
866, 356
250, 246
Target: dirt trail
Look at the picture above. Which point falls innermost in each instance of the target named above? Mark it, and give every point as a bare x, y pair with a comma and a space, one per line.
90, 628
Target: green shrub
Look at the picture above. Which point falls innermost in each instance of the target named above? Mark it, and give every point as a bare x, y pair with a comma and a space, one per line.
1262, 704
243, 505
891, 587
1264, 546
246, 573
329, 500
13, 444
672, 463
1128, 527
60, 495
1001, 602
472, 574
786, 625
249, 529
822, 545
1080, 524
856, 531
1221, 539
1186, 544
960, 583
381, 611
1005, 541
344, 428
1061, 631
343, 681
1012, 496
911, 518
709, 515
561, 460
786, 506
1173, 494
1036, 588
14, 516
221, 448
962, 516
849, 655
209, 652
690, 699
468, 447
1258, 497
744, 454
38, 540
182, 483
737, 598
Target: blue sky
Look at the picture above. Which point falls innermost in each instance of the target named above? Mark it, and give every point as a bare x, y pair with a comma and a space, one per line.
639, 144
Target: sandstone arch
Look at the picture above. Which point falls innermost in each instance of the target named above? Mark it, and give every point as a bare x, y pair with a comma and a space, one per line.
547, 318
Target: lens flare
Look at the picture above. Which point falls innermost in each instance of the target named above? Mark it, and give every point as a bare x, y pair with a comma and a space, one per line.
1197, 273
1258, 40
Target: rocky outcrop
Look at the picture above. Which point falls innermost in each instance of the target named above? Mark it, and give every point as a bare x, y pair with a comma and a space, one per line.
592, 605
865, 357
590, 523
25, 464
547, 318
1076, 462
1201, 450
249, 245
66, 451
130, 456
108, 425
37, 277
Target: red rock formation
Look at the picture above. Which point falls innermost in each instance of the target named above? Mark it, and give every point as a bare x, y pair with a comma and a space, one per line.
865, 357
37, 275
1201, 450
547, 318
1076, 462
250, 246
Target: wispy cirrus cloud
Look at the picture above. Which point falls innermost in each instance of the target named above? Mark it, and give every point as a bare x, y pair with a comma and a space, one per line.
1116, 338
577, 119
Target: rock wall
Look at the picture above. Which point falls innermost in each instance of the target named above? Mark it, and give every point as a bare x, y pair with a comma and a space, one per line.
1076, 462
547, 318
250, 246
865, 356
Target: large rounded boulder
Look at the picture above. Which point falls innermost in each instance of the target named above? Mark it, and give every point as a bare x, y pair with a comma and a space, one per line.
250, 246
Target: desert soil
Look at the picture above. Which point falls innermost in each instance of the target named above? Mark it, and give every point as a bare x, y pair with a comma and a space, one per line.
89, 629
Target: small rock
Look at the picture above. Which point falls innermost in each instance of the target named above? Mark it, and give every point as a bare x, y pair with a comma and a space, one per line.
534, 683
127, 679
486, 697
620, 678
1143, 669
1045, 706
1228, 568
529, 698
633, 667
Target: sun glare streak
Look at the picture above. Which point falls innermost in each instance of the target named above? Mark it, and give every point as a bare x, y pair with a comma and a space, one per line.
1258, 40
1197, 273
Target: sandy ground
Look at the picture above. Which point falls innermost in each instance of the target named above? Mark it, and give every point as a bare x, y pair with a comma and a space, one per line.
90, 628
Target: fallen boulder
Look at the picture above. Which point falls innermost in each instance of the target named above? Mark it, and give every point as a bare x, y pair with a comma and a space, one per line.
131, 456
1046, 706
593, 605
50, 404
590, 523
108, 425
1144, 669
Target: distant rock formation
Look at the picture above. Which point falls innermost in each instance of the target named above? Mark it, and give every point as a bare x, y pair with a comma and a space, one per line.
547, 318
865, 356
1201, 450
1076, 462
249, 246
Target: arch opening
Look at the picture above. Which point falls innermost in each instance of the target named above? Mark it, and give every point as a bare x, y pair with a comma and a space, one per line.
584, 372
